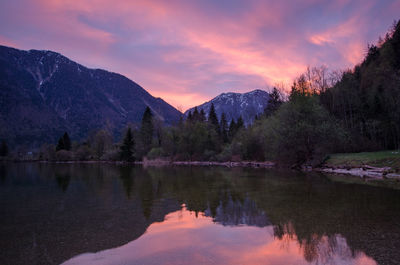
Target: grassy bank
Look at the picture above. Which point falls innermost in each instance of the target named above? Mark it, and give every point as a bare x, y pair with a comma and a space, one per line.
375, 159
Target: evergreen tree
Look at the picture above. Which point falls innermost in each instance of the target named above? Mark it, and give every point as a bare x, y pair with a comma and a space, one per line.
232, 129
60, 144
67, 141
128, 147
180, 122
196, 114
64, 143
202, 115
239, 123
190, 116
213, 119
224, 128
147, 130
274, 102
3, 148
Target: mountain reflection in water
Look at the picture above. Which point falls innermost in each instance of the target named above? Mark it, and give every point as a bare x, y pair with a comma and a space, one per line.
183, 238
110, 214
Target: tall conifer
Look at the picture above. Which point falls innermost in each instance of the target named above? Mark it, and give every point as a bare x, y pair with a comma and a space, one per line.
67, 141
3, 148
213, 119
224, 128
127, 148
147, 130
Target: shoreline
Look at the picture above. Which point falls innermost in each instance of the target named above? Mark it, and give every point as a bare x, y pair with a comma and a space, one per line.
157, 162
377, 173
254, 164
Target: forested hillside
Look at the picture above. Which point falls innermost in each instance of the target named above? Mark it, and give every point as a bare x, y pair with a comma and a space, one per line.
367, 98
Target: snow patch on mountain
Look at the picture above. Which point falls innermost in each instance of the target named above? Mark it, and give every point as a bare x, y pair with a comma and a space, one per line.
247, 105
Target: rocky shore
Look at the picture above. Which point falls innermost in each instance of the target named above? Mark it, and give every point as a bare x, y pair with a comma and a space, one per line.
159, 162
363, 172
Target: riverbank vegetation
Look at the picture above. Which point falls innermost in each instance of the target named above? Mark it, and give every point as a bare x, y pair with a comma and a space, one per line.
356, 110
375, 159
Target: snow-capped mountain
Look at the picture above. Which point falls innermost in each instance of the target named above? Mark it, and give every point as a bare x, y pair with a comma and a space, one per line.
44, 94
247, 105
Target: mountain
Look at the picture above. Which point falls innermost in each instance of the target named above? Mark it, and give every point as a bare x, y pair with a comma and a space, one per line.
43, 94
247, 105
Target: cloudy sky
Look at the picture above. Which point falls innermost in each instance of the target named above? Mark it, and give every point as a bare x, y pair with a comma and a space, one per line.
188, 51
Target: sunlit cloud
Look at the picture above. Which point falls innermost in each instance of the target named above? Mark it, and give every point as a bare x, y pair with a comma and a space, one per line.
6, 42
190, 51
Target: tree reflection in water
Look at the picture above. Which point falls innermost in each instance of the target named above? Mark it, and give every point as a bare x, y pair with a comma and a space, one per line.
107, 206
183, 238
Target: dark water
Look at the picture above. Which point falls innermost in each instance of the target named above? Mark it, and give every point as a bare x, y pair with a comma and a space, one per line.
108, 214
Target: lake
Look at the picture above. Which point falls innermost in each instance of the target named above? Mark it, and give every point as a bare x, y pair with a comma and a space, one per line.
119, 214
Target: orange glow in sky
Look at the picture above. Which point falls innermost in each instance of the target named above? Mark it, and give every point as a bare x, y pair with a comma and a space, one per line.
188, 51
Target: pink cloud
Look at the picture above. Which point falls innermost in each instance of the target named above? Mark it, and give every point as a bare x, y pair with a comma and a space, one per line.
6, 42
190, 51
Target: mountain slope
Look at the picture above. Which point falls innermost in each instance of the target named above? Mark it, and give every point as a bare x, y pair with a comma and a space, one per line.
43, 94
247, 105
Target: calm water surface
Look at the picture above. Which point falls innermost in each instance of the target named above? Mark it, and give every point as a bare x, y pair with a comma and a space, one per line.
109, 214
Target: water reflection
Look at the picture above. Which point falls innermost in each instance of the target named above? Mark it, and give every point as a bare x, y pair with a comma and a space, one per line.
133, 215
63, 181
127, 179
234, 213
184, 238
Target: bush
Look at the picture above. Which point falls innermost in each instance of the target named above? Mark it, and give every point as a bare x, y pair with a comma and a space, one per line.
209, 155
111, 155
301, 132
83, 153
155, 152
226, 154
64, 155
47, 152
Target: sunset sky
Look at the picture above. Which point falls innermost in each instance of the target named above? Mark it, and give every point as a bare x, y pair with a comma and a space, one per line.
190, 51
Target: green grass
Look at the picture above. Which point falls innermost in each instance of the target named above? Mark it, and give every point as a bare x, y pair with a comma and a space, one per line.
376, 159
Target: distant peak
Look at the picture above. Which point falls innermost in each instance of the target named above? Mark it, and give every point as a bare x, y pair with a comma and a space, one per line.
256, 91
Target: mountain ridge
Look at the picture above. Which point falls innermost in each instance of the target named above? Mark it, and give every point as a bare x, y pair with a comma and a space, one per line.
234, 105
44, 93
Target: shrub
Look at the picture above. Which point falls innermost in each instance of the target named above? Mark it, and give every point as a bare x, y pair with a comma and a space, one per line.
155, 152
64, 155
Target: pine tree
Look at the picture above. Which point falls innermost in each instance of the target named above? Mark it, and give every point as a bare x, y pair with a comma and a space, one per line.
232, 129
60, 144
274, 102
64, 143
224, 128
67, 141
180, 122
196, 114
202, 115
128, 147
213, 119
147, 130
239, 123
190, 116
3, 148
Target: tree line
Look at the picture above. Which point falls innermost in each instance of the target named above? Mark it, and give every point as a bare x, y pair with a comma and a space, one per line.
325, 111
